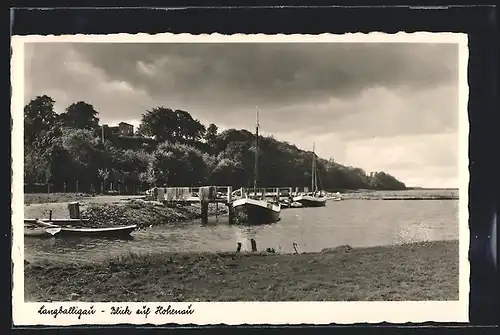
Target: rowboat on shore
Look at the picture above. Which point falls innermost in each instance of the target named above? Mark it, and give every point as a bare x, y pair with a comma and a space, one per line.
57, 221
49, 228
98, 232
41, 231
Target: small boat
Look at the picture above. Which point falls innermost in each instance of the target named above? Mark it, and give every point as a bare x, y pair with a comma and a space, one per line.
315, 199
57, 221
337, 197
49, 228
98, 232
253, 210
310, 200
41, 231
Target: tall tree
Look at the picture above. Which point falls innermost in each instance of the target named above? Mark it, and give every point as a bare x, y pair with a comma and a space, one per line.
167, 125
39, 116
211, 136
81, 115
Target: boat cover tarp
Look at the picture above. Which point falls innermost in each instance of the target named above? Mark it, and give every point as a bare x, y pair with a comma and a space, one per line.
177, 193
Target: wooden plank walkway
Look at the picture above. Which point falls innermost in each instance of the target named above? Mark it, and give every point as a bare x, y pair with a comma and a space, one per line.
219, 194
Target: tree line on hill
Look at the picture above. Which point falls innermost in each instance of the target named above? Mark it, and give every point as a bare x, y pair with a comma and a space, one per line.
169, 148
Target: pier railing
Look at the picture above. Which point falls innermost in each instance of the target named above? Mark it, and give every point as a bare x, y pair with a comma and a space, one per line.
221, 194
214, 194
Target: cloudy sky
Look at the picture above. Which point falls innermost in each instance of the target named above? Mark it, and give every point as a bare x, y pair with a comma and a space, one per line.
390, 107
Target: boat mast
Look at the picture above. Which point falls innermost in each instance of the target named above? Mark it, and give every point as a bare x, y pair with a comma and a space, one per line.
313, 172
256, 167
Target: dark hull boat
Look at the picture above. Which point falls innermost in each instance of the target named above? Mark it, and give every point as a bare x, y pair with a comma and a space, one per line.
310, 201
256, 212
98, 232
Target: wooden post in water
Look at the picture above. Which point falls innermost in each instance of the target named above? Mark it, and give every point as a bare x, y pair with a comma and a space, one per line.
50, 215
204, 201
77, 186
229, 195
229, 203
216, 210
204, 211
254, 245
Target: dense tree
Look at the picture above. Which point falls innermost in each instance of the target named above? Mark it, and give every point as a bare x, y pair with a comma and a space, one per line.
167, 125
211, 137
39, 116
177, 165
81, 115
68, 148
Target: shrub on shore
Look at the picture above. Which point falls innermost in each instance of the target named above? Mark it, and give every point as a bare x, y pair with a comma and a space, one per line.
142, 213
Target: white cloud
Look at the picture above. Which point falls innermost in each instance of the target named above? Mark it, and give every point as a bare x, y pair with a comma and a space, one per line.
419, 160
408, 131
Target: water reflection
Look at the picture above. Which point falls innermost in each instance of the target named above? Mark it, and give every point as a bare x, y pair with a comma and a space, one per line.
354, 222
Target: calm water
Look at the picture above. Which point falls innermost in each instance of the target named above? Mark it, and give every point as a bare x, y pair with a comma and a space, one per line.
352, 222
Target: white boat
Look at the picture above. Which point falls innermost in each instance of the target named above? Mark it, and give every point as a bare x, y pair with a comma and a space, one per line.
316, 198
256, 211
49, 229
307, 200
41, 231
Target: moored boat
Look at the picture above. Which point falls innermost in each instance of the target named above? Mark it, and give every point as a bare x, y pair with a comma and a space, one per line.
310, 200
57, 221
256, 211
98, 232
41, 231
252, 210
315, 199
46, 228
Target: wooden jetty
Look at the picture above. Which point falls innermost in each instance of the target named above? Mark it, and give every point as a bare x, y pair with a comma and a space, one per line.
224, 195
203, 195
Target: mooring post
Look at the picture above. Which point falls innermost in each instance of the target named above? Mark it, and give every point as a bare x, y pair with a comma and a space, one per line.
204, 211
216, 210
74, 210
230, 213
50, 215
229, 194
254, 245
278, 195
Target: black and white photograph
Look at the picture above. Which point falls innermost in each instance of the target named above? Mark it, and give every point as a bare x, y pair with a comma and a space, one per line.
162, 175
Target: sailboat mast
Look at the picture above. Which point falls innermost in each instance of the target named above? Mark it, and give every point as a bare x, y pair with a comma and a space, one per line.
256, 167
313, 172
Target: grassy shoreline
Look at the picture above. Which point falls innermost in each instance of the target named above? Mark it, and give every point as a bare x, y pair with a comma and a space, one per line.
106, 211
45, 198
419, 271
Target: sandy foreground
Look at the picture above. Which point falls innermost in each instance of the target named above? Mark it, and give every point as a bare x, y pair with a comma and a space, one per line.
419, 271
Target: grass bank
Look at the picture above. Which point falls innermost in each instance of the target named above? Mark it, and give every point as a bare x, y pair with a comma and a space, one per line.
420, 271
42, 198
113, 210
144, 214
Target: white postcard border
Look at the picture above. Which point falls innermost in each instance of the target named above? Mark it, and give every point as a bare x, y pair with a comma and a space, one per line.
234, 313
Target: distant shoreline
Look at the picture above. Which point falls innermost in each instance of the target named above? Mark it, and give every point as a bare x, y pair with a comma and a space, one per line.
418, 271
